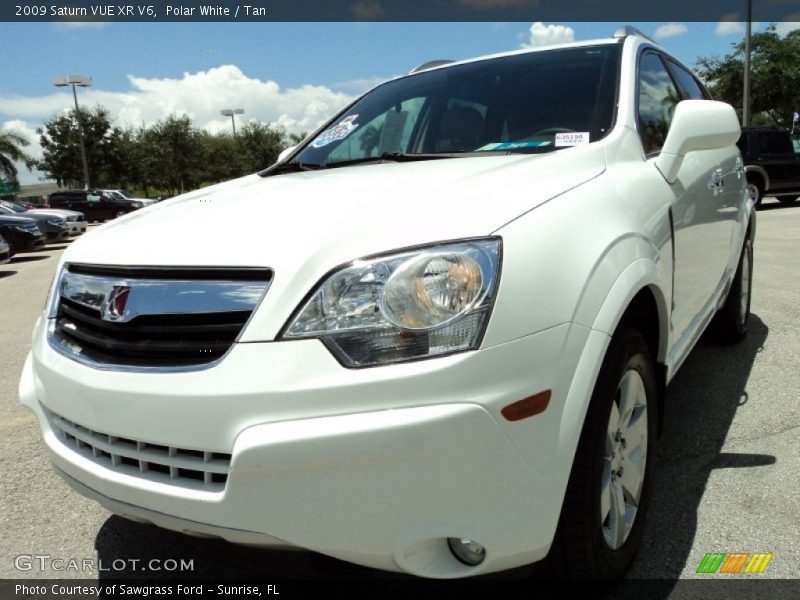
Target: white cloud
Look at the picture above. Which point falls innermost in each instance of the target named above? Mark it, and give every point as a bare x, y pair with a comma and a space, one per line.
548, 35
730, 25
492, 4
670, 30
790, 23
367, 10
199, 95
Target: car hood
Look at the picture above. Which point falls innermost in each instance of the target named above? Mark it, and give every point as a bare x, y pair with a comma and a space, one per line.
33, 216
338, 214
54, 212
9, 220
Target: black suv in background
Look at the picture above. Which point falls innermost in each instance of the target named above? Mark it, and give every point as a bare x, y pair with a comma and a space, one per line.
95, 204
772, 164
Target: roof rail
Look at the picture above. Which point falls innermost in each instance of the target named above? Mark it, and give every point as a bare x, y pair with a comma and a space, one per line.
627, 30
430, 65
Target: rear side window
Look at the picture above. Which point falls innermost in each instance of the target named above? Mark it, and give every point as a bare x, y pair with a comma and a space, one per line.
690, 88
657, 101
775, 143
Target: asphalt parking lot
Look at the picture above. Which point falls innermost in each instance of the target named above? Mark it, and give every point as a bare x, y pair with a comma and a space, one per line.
726, 476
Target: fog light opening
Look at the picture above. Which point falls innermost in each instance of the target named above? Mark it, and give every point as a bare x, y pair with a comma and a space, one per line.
468, 552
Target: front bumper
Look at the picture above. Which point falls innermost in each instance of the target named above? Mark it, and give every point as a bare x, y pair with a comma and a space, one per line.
57, 235
28, 242
374, 466
76, 227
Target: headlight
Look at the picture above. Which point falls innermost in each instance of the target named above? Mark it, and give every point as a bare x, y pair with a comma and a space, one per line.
137, 204
56, 221
405, 306
27, 228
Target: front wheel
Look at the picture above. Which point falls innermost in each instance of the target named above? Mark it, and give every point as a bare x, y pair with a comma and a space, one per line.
602, 519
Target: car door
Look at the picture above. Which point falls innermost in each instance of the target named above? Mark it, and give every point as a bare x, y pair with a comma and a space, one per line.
776, 154
96, 208
727, 180
701, 235
75, 201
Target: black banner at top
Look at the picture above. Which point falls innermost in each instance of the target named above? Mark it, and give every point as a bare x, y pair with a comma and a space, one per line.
397, 10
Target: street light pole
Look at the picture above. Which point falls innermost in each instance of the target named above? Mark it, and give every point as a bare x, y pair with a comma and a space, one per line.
231, 112
747, 36
77, 81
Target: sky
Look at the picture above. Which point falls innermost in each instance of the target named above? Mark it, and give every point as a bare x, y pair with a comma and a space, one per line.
293, 74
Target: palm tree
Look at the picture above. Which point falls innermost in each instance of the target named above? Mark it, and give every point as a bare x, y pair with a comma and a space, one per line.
11, 151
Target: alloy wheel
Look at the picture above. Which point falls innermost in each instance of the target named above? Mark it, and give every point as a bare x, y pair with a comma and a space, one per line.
624, 459
752, 192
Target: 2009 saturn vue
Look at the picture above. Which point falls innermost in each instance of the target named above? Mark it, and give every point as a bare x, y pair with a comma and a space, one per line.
439, 345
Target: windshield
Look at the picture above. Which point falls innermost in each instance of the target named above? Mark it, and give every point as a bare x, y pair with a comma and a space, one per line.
532, 102
11, 206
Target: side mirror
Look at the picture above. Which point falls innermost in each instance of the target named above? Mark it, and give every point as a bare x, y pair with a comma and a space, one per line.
697, 125
285, 154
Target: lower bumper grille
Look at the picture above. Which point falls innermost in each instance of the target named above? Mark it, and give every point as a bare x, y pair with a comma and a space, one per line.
193, 469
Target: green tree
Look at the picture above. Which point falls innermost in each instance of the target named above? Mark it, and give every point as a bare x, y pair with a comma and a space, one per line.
223, 157
176, 154
296, 138
11, 151
260, 145
60, 141
775, 76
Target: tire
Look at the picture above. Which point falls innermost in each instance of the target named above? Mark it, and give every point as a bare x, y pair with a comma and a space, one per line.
731, 322
586, 543
755, 191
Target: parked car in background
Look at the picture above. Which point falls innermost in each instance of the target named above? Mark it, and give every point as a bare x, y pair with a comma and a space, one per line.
21, 233
76, 221
54, 228
441, 349
126, 195
95, 204
772, 163
5, 251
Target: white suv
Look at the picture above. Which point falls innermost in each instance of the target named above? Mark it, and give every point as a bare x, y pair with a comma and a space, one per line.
438, 344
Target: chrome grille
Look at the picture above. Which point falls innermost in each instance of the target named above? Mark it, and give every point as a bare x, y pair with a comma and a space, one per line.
194, 469
168, 318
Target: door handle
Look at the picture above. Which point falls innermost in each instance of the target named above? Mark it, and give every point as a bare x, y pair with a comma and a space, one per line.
717, 182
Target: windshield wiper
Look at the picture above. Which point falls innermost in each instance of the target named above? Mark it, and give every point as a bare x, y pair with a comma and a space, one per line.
393, 157
291, 167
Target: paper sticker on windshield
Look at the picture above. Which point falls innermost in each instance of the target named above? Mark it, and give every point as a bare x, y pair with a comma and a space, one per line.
574, 138
337, 132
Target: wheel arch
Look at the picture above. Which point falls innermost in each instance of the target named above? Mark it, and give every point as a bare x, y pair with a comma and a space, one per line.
753, 171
